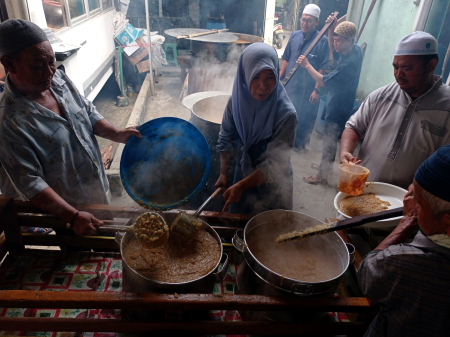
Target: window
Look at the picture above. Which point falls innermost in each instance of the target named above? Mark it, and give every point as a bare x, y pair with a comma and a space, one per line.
93, 5
76, 8
53, 13
106, 4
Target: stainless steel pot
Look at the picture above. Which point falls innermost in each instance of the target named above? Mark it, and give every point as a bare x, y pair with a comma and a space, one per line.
137, 283
286, 221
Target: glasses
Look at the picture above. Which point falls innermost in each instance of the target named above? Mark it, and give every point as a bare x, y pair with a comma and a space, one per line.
308, 21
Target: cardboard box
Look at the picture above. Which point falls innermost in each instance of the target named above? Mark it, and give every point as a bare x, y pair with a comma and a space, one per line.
128, 35
143, 66
138, 55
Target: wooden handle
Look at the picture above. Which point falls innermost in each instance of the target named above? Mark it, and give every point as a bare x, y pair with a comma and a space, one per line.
363, 219
202, 207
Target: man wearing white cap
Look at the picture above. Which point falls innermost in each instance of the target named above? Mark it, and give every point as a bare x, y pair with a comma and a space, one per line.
402, 123
302, 89
341, 84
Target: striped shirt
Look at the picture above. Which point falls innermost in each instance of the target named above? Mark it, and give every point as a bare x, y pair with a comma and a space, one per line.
411, 284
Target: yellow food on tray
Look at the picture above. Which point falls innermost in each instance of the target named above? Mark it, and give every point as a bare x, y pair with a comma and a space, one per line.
362, 204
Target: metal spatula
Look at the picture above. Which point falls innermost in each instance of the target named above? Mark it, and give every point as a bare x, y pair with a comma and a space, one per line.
342, 224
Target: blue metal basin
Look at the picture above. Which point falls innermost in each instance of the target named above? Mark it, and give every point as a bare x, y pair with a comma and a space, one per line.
167, 166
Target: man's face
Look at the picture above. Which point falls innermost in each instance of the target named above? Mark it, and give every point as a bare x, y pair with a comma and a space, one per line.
33, 70
342, 44
412, 74
429, 224
263, 84
308, 23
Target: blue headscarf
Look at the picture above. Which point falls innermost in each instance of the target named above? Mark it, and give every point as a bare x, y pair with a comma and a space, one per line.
255, 120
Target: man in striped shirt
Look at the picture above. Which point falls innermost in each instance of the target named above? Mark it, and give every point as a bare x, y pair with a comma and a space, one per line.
411, 281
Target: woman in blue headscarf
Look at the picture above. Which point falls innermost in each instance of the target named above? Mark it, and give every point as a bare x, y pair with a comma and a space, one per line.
259, 124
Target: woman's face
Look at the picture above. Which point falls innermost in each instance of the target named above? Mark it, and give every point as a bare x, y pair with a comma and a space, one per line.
262, 84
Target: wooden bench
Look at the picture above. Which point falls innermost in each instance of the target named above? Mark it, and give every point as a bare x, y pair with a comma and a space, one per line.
14, 214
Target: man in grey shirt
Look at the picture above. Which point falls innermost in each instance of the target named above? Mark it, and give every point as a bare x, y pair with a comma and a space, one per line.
48, 150
409, 281
403, 123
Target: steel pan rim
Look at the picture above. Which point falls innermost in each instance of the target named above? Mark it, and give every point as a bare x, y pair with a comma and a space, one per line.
191, 283
268, 270
201, 100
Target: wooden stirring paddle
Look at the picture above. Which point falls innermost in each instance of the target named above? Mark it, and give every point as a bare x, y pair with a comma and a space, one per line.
342, 224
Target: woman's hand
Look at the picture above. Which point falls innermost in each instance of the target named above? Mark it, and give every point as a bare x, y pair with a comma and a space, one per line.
86, 224
232, 194
303, 61
222, 182
124, 134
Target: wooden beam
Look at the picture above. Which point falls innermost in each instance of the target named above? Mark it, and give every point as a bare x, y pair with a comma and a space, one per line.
155, 301
219, 327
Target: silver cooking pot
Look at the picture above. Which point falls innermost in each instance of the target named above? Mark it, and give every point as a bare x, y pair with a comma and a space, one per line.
279, 222
135, 282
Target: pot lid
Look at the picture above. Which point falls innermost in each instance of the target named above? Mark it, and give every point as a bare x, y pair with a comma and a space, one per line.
222, 37
190, 100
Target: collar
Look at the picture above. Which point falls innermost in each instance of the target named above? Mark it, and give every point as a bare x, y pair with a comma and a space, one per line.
437, 83
313, 35
429, 243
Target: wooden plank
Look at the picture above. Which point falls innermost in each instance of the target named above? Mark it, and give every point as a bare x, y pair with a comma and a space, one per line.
111, 325
71, 241
156, 301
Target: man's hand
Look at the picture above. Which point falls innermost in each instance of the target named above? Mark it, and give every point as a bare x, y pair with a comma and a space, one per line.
232, 194
314, 98
409, 207
333, 25
303, 61
86, 224
410, 192
347, 158
124, 134
222, 182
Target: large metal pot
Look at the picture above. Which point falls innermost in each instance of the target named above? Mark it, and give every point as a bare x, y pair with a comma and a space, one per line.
253, 277
206, 115
137, 283
285, 221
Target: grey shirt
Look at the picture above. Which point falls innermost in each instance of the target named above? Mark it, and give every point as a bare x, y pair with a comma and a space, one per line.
399, 133
40, 149
410, 283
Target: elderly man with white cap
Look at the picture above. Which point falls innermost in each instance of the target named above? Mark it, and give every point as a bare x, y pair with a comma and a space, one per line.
341, 85
402, 123
48, 150
302, 89
410, 281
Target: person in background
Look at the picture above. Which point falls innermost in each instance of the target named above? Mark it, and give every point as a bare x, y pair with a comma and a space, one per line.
2, 78
409, 281
258, 125
302, 89
341, 85
48, 151
402, 123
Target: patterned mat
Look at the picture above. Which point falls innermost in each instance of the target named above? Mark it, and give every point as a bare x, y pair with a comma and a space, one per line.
83, 271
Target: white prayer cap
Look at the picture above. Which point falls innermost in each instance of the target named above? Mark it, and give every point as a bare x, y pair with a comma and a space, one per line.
312, 9
417, 43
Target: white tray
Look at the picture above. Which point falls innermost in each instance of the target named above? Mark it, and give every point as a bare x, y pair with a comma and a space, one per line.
386, 192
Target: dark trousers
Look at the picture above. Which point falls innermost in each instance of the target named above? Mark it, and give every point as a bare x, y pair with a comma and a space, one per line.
331, 134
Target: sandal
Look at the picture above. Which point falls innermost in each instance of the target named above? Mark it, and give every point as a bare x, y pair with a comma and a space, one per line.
315, 167
37, 230
314, 180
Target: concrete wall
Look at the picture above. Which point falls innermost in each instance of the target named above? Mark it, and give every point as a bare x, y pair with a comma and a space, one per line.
389, 21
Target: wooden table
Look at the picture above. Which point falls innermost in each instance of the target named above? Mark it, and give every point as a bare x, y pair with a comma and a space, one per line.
14, 214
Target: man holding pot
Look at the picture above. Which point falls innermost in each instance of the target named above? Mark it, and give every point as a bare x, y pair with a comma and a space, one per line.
402, 123
409, 281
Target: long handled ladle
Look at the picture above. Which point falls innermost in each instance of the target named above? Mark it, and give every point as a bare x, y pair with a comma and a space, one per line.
186, 224
342, 224
150, 228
